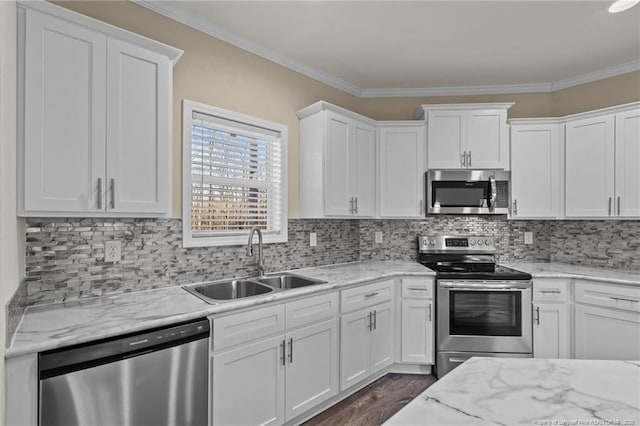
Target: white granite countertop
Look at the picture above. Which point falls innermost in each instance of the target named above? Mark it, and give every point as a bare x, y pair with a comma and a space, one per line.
521, 391
564, 270
45, 327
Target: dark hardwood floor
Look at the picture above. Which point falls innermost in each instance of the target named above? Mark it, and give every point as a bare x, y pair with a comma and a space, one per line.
376, 403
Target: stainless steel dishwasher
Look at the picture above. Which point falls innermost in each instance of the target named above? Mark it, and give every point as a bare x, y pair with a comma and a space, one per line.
156, 377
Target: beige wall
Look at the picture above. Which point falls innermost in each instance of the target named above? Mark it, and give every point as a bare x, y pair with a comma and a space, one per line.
216, 73
11, 246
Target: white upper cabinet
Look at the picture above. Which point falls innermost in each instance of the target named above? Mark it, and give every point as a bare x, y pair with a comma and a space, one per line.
337, 162
628, 163
95, 121
401, 148
536, 155
602, 164
466, 136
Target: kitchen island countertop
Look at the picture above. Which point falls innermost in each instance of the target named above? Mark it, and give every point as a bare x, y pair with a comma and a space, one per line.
525, 391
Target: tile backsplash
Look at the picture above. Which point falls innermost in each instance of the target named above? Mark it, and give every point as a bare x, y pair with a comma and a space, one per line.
65, 257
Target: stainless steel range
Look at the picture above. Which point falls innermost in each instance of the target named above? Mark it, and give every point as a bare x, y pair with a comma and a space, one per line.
482, 309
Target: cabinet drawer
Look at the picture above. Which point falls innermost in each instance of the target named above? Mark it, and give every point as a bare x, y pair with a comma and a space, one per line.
366, 295
417, 288
311, 309
608, 295
243, 327
550, 290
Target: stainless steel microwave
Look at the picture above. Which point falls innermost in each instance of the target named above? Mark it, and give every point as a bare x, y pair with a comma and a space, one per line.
467, 192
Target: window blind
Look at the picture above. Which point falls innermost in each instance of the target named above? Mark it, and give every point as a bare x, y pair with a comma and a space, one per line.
236, 174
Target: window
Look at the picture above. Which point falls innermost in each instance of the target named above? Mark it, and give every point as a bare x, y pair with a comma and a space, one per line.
234, 177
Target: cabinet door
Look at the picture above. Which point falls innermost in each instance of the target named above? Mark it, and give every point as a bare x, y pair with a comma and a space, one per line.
64, 116
363, 166
381, 338
535, 152
417, 331
312, 367
550, 331
354, 348
602, 333
628, 163
337, 192
252, 374
589, 174
446, 139
487, 140
401, 171
138, 129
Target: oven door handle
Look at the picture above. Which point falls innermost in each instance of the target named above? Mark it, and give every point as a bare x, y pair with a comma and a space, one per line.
468, 286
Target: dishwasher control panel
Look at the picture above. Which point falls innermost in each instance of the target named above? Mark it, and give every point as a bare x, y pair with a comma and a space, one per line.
166, 335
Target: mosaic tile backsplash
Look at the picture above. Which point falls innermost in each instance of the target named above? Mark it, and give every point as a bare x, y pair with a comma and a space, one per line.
65, 257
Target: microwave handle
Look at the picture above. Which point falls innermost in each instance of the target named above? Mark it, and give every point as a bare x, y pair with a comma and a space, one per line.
494, 192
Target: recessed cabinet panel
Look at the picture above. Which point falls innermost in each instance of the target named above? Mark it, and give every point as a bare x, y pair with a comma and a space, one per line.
446, 139
606, 333
627, 200
64, 116
550, 331
417, 331
336, 195
589, 172
138, 149
486, 140
535, 155
354, 348
364, 180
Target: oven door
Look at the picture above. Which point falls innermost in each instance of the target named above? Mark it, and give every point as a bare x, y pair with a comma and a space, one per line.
481, 316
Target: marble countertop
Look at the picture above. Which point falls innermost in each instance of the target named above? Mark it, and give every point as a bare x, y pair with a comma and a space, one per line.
564, 270
45, 327
525, 391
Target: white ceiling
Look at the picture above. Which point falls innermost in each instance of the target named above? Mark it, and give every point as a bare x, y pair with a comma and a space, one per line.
391, 48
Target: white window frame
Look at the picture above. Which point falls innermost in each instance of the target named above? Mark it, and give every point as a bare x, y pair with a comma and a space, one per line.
188, 240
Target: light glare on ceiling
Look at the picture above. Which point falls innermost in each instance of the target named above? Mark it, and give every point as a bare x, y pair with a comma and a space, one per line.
622, 5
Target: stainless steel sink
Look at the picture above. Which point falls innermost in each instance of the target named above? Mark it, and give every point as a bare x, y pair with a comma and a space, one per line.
288, 280
215, 292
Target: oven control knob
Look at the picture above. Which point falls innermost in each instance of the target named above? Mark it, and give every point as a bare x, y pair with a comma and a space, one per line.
479, 242
472, 242
432, 242
487, 242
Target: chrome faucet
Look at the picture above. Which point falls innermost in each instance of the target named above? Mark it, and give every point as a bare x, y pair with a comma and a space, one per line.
250, 249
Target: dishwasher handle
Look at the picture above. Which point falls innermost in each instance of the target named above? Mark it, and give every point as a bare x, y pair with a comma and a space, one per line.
60, 361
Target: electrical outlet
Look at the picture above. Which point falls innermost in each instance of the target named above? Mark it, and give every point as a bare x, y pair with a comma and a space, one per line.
378, 237
112, 251
313, 239
528, 237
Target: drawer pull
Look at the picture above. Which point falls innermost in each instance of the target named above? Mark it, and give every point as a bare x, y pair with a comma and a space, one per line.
375, 293
417, 289
284, 354
550, 291
626, 300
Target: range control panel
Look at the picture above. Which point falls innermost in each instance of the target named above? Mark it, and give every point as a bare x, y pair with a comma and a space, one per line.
448, 243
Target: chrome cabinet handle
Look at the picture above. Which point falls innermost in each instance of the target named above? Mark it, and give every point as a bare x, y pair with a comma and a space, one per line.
375, 293
463, 159
469, 159
429, 312
550, 291
370, 325
284, 352
356, 203
538, 315
291, 350
99, 193
417, 289
515, 207
618, 205
626, 300
375, 320
113, 193
610, 206
351, 203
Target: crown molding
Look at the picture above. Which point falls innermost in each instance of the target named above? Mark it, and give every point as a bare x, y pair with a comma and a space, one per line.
220, 33
165, 9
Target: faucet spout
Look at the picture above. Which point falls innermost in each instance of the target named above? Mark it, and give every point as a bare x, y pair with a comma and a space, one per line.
259, 262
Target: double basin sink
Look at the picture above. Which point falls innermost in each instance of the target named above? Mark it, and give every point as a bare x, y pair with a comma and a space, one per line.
220, 291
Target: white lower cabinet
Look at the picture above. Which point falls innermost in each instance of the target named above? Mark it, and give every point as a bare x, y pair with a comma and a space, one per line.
366, 343
251, 374
550, 330
281, 376
417, 331
602, 333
